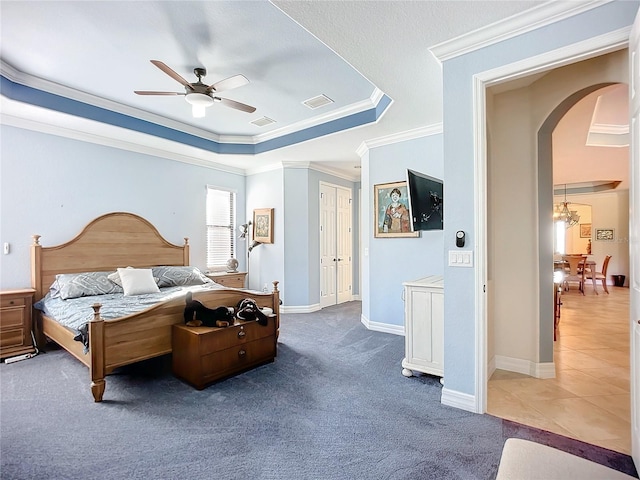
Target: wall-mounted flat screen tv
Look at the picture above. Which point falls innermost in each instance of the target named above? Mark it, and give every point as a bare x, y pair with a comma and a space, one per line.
425, 201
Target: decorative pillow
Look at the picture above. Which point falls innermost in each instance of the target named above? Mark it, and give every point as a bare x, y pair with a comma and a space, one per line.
74, 285
179, 276
115, 278
137, 281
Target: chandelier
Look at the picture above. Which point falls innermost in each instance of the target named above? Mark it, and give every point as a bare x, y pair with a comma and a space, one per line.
562, 213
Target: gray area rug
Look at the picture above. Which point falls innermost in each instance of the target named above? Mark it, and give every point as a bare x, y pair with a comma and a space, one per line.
333, 405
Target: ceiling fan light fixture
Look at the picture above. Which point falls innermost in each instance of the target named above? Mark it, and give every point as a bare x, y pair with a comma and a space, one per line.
198, 111
199, 103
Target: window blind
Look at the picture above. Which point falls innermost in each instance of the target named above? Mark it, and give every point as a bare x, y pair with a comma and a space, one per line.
221, 224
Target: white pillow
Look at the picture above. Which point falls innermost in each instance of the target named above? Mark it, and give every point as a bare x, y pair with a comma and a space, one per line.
115, 278
137, 281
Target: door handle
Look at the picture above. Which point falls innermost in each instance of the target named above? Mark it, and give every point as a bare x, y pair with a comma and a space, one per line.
339, 259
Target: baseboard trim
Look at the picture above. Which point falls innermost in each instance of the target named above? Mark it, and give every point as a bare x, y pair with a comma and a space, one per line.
526, 367
382, 327
300, 308
463, 401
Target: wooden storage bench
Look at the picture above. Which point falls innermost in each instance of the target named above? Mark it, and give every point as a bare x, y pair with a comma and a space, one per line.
203, 355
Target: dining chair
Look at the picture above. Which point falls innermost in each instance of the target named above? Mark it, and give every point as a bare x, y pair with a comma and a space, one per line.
575, 273
557, 301
593, 275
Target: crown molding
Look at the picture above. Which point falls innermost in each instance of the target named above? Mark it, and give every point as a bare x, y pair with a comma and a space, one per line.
294, 164
413, 134
263, 169
303, 165
318, 167
532, 19
335, 173
592, 47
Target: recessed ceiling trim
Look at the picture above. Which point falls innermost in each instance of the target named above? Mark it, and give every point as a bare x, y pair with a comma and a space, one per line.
373, 102
38, 86
41, 85
609, 129
28, 95
585, 187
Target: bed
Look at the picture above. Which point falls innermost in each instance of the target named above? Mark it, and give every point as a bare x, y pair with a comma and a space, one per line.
112, 241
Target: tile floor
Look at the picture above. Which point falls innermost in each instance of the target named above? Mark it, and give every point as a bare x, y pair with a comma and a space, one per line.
589, 398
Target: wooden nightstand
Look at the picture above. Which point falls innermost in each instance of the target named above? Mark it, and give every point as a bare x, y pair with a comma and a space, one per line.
15, 322
233, 280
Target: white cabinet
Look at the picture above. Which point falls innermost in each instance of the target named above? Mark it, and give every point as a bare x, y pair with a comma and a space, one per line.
424, 326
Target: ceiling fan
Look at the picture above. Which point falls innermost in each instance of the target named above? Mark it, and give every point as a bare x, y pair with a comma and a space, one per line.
201, 96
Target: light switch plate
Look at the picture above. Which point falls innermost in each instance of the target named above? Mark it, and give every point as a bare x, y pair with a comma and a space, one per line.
460, 258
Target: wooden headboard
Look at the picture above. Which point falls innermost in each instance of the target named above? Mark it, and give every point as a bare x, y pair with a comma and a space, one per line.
113, 240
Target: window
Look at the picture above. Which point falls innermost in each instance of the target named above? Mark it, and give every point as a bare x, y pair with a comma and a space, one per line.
561, 230
221, 225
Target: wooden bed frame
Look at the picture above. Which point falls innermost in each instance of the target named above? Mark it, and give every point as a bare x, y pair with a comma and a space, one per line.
120, 240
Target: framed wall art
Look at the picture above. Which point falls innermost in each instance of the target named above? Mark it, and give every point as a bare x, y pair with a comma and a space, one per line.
391, 210
604, 234
585, 230
263, 225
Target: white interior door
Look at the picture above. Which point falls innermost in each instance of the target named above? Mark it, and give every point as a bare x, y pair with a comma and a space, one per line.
344, 244
634, 237
336, 267
328, 247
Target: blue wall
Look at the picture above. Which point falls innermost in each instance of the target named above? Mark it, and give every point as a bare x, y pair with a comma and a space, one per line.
298, 237
392, 261
265, 190
54, 186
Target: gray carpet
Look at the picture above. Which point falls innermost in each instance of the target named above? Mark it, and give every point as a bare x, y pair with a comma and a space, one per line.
333, 405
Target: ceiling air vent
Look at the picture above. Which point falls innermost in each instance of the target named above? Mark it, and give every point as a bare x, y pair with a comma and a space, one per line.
317, 102
264, 121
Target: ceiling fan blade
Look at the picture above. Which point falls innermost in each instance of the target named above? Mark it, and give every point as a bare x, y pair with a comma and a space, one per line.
142, 92
237, 105
171, 73
228, 83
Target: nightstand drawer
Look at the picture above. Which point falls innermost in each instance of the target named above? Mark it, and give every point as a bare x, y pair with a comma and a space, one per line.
12, 302
11, 338
230, 280
11, 317
233, 280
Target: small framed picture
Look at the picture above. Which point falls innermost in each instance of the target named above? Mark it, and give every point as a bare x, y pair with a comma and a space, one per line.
263, 225
604, 234
391, 211
585, 230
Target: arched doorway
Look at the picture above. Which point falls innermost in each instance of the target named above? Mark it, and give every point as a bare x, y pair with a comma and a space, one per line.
519, 210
